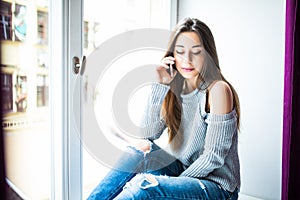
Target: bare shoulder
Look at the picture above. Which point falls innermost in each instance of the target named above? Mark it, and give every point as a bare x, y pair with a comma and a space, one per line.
220, 98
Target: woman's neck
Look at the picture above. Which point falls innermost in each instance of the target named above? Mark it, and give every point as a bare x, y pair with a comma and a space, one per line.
189, 85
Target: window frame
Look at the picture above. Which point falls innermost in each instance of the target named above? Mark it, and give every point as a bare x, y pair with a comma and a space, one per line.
64, 33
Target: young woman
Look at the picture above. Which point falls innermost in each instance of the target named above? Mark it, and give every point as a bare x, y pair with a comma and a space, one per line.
200, 111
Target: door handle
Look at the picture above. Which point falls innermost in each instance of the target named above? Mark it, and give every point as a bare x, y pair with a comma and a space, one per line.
83, 63
77, 66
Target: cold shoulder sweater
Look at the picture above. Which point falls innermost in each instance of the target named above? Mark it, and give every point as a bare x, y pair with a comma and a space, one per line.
209, 144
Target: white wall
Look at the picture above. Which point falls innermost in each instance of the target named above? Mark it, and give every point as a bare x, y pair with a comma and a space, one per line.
250, 42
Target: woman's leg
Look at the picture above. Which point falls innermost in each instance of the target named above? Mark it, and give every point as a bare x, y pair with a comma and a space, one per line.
134, 161
159, 162
147, 186
111, 185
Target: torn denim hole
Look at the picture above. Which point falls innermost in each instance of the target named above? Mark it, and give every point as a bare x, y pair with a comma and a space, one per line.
150, 148
141, 151
127, 185
148, 181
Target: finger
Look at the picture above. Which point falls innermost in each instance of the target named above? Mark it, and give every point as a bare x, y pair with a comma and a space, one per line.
166, 61
169, 57
163, 66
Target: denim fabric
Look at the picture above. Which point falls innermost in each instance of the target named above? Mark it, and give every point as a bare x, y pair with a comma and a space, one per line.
154, 175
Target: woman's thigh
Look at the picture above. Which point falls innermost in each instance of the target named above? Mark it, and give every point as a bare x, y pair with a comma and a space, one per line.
148, 186
133, 161
155, 161
160, 162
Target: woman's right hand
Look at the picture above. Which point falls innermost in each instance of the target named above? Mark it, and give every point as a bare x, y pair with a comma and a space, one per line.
164, 77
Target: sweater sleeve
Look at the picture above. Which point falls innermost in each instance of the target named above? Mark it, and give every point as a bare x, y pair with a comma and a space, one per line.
152, 123
218, 140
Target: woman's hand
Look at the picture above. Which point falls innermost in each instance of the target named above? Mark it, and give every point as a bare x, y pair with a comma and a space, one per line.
164, 77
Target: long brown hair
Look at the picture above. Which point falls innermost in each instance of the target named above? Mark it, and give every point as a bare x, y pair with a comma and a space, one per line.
171, 109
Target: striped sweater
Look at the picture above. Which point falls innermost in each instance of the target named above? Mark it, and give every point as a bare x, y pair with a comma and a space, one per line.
209, 145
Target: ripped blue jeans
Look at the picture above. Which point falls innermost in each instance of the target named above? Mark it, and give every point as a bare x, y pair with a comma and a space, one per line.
154, 175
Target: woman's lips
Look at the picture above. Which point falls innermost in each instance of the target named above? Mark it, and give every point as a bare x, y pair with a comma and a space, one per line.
187, 69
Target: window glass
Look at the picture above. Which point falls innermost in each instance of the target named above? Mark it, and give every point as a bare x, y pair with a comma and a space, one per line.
24, 90
102, 23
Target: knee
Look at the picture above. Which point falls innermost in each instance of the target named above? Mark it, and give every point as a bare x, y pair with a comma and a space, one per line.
143, 145
139, 187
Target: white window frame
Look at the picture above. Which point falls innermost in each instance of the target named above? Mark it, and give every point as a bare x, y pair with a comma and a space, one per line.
65, 42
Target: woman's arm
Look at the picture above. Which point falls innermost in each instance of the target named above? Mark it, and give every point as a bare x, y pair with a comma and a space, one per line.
152, 123
220, 98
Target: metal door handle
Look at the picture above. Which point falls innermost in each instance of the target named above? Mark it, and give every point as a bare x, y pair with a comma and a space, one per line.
83, 62
77, 66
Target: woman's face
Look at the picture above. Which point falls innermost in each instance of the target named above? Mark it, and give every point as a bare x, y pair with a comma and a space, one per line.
188, 54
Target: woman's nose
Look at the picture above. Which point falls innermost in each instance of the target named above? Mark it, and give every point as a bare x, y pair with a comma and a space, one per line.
187, 57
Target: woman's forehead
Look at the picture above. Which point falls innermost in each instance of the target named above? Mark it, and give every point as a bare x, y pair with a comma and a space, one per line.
188, 39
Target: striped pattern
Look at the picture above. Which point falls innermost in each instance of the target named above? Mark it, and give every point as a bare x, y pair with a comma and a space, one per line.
209, 144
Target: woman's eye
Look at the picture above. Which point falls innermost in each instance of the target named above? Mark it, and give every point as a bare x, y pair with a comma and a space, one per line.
196, 52
179, 52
